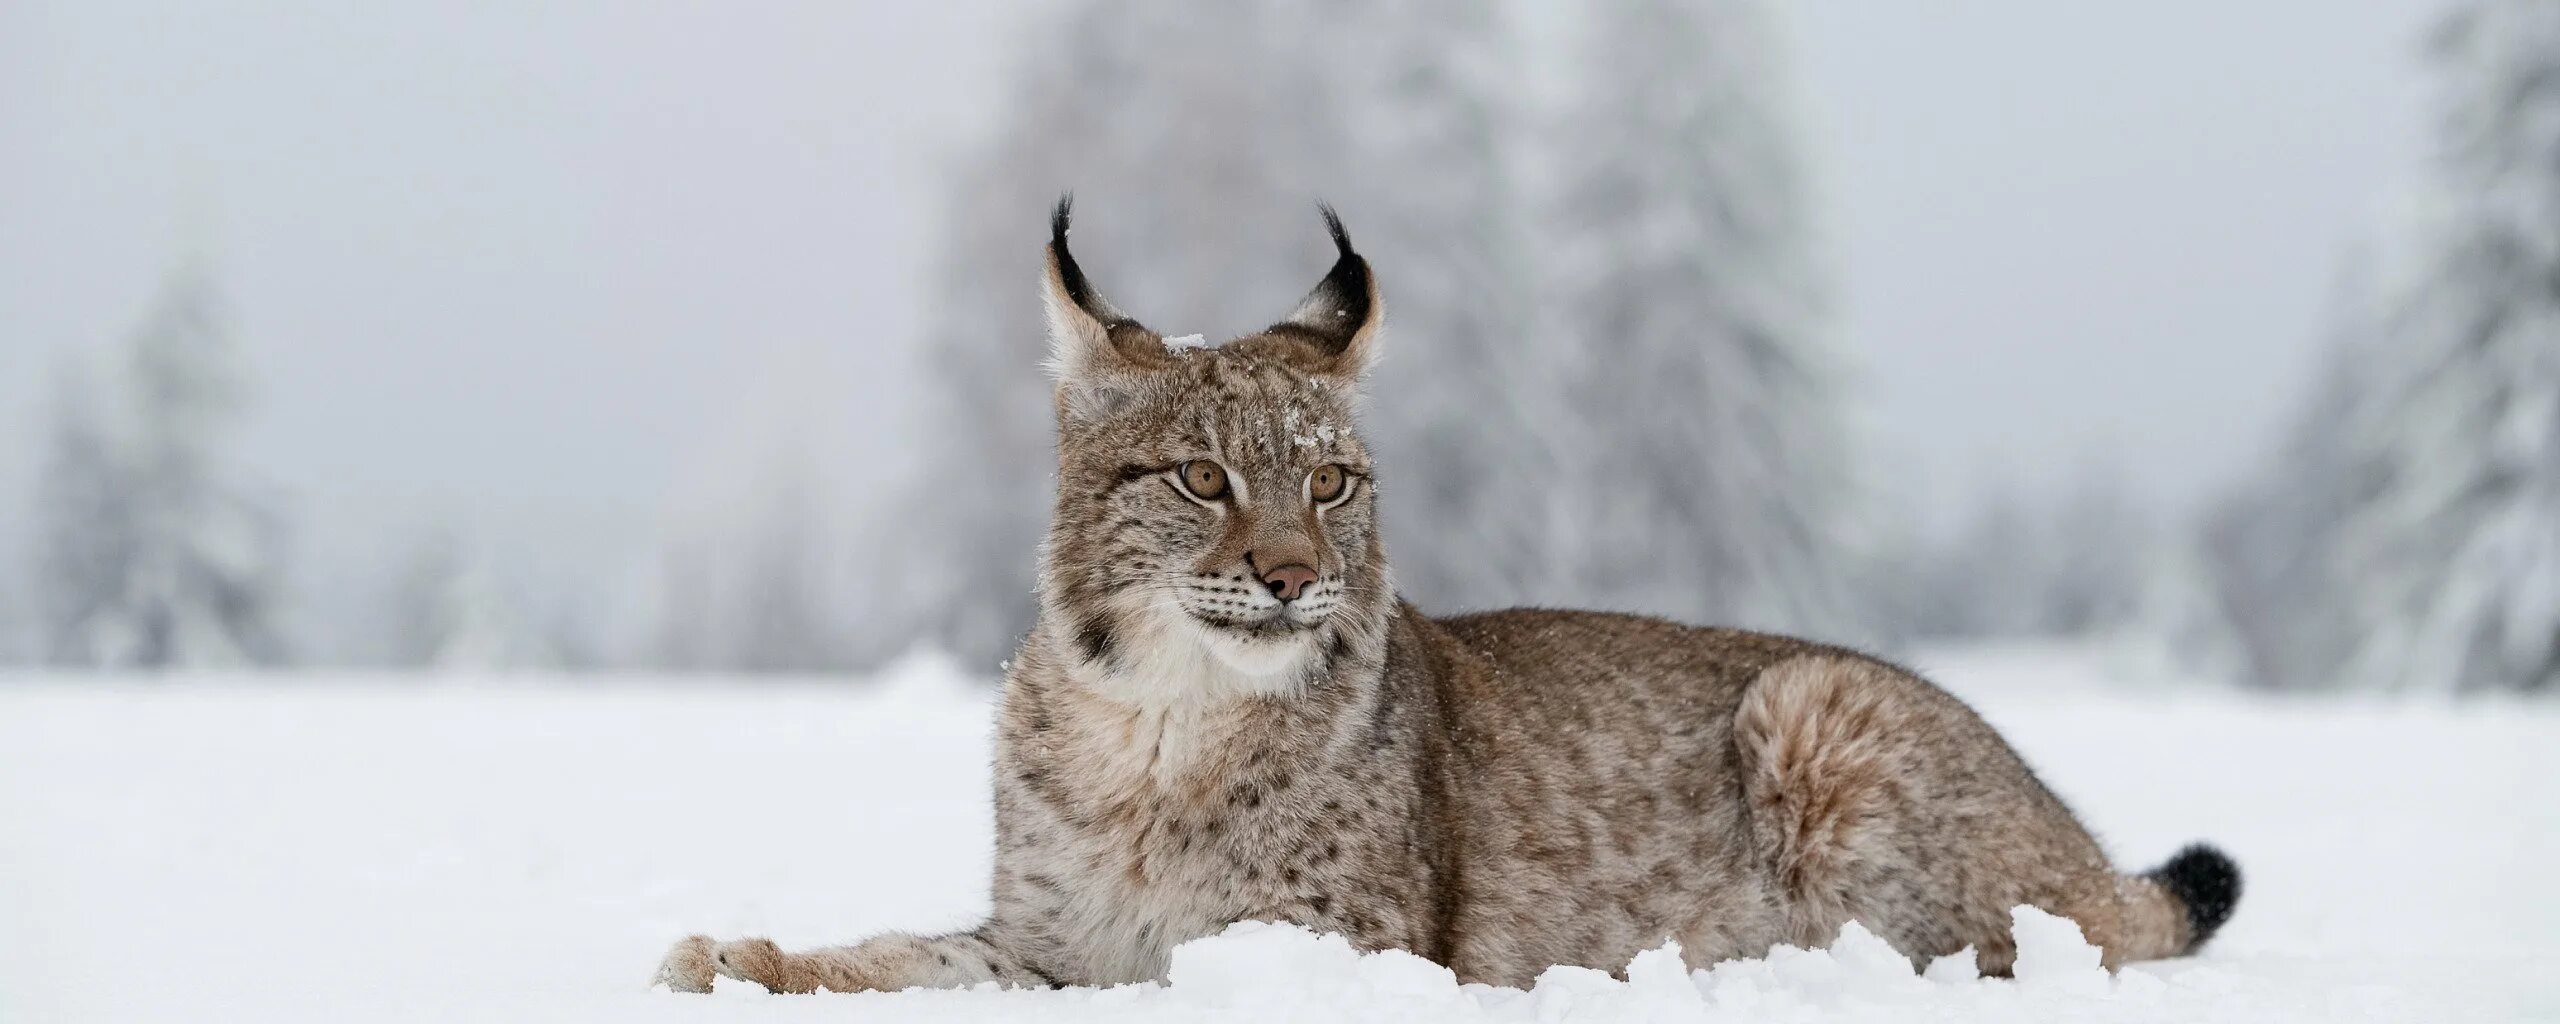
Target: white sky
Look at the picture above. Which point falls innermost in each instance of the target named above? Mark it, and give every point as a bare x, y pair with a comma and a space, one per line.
528, 275
2075, 229
536, 271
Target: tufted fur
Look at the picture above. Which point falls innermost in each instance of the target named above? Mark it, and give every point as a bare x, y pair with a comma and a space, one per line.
1178, 749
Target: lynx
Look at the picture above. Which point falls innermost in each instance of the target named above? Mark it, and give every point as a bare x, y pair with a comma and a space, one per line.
1224, 713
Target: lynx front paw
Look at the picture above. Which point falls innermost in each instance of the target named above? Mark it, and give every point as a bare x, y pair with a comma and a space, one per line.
688, 967
762, 962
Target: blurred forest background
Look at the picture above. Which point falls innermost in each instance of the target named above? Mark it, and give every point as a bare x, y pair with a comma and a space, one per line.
1627, 367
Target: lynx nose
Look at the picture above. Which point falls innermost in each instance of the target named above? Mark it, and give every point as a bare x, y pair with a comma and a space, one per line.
1288, 581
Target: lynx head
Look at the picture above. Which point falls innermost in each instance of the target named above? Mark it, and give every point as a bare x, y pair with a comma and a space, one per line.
1215, 526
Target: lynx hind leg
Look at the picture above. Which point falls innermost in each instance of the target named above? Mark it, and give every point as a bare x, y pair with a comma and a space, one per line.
1878, 798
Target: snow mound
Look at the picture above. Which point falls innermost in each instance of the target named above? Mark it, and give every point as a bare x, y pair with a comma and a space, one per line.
1258, 971
2053, 954
1254, 965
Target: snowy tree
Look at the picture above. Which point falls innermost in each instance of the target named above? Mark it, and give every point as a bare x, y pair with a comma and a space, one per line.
681, 634
767, 584
1080, 93
1713, 482
15, 644
2408, 537
2456, 556
85, 540
2260, 598
2101, 543
2074, 561
784, 595
1986, 578
156, 552
448, 610
1197, 139
1468, 412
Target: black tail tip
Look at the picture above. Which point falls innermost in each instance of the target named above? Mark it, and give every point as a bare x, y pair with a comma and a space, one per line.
2207, 883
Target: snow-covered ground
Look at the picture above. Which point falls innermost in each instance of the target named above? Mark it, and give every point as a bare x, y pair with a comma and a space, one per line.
288, 849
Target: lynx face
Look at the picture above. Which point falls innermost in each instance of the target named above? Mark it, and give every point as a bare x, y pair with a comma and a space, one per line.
1215, 524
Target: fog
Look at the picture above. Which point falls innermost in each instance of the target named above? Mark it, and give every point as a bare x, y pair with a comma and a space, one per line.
2066, 228
547, 277
529, 273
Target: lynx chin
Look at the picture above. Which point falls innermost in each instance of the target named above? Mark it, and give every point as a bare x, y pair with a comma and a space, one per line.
1225, 714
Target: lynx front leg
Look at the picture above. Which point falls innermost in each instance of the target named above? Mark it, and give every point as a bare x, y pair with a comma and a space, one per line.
882, 964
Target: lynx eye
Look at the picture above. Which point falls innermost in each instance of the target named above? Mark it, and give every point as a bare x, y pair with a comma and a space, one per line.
1327, 484
1205, 480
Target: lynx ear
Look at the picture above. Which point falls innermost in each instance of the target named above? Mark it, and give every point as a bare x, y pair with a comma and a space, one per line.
1343, 316
1093, 347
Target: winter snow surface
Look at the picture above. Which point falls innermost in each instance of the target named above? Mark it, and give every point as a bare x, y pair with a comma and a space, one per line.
500, 849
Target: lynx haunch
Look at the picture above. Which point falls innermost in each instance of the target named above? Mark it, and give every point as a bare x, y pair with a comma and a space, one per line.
1224, 714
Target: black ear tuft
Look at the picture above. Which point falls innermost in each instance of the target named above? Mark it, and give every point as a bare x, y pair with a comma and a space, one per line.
1071, 276
1340, 316
1089, 339
1332, 223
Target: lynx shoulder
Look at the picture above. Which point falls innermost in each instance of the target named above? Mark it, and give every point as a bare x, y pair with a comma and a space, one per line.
1223, 713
